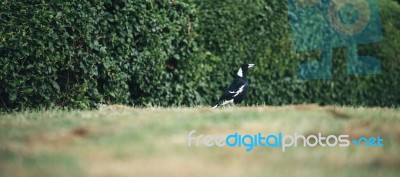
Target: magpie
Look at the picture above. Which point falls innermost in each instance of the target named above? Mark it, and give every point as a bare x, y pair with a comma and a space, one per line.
237, 90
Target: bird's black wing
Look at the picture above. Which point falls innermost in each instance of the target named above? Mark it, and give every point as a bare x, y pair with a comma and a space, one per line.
237, 86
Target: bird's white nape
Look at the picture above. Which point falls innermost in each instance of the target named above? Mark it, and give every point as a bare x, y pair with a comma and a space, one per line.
240, 73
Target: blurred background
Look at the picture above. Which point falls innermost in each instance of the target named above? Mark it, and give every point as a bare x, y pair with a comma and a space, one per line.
80, 54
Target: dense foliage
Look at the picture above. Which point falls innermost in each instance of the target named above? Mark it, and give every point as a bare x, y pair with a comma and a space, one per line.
78, 54
259, 32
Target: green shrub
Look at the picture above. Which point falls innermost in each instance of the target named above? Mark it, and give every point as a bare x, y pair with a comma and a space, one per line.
235, 32
77, 54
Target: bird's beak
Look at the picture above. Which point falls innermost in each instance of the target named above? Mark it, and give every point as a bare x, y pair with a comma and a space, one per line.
251, 65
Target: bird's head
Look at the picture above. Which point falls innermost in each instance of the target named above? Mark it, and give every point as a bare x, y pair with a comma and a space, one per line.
243, 70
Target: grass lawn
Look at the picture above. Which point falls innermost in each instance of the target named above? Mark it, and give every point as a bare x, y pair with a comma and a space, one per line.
122, 141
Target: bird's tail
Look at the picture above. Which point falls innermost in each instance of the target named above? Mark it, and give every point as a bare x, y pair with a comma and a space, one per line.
215, 105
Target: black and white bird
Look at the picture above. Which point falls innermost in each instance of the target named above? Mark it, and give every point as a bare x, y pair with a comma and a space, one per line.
238, 88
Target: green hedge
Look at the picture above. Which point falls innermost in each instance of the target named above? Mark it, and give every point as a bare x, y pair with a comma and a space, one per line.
258, 31
78, 54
